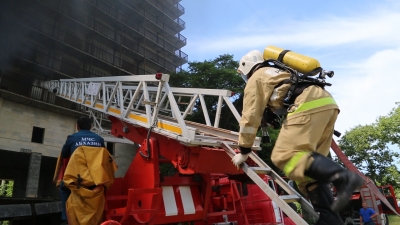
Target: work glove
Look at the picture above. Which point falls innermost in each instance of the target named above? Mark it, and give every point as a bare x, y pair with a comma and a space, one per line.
239, 159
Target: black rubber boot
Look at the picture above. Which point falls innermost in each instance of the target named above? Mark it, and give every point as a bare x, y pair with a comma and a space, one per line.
325, 170
321, 199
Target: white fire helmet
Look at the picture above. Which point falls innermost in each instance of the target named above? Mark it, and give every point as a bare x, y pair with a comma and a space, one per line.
248, 61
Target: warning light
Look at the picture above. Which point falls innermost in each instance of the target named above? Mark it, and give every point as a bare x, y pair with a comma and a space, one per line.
158, 76
232, 94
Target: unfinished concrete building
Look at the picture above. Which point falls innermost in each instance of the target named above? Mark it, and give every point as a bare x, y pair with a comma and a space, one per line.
60, 39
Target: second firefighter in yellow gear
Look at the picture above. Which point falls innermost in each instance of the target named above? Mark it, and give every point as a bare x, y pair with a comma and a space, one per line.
304, 139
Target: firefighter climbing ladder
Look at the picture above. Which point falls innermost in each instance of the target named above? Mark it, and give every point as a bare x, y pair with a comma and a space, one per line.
148, 101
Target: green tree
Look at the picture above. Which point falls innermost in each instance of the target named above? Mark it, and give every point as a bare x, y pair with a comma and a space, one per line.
219, 73
6, 188
371, 148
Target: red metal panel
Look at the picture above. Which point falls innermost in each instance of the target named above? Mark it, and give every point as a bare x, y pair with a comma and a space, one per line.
188, 160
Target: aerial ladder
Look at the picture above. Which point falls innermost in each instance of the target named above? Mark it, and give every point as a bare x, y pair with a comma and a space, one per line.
144, 109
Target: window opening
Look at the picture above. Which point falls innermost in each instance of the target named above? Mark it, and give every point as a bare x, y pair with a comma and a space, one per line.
37, 135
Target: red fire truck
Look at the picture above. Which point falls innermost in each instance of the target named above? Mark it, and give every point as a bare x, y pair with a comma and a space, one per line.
203, 190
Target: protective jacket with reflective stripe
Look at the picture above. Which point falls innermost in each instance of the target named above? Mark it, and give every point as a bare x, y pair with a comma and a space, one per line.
261, 91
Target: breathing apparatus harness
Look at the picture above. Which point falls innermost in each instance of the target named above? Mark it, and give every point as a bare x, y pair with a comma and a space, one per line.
298, 82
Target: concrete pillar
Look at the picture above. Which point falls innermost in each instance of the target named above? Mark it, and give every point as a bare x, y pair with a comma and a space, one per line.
124, 154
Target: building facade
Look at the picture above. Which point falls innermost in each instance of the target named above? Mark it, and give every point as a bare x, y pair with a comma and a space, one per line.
44, 40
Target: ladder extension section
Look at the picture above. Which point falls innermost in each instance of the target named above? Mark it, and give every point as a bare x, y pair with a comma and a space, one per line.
369, 183
149, 101
280, 200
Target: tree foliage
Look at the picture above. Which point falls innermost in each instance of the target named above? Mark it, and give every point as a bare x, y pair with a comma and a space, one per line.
219, 73
372, 148
6, 188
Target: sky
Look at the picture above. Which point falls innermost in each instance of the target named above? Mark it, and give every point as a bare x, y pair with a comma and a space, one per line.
359, 40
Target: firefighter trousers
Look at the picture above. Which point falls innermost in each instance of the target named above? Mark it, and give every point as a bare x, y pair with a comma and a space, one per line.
298, 138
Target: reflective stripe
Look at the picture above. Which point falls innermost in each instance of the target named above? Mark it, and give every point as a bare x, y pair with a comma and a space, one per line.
187, 200
248, 130
169, 198
289, 167
306, 179
169, 201
314, 104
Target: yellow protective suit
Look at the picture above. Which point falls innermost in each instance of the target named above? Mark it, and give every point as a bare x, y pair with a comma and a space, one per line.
89, 172
307, 128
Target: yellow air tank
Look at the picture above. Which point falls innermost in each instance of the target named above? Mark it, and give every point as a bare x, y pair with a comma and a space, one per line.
301, 63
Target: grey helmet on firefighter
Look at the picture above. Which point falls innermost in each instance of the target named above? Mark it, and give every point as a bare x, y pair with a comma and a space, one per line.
248, 62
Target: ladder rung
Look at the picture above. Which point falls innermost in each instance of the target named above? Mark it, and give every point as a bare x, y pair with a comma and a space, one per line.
261, 170
289, 198
148, 103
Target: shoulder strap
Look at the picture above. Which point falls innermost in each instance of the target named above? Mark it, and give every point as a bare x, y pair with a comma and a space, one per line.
282, 54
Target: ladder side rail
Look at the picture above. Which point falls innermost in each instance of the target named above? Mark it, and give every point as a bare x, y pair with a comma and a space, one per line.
190, 91
232, 108
218, 113
283, 184
213, 92
130, 78
267, 189
273, 174
175, 111
205, 112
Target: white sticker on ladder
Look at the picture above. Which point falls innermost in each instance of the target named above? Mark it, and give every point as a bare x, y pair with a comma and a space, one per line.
169, 198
